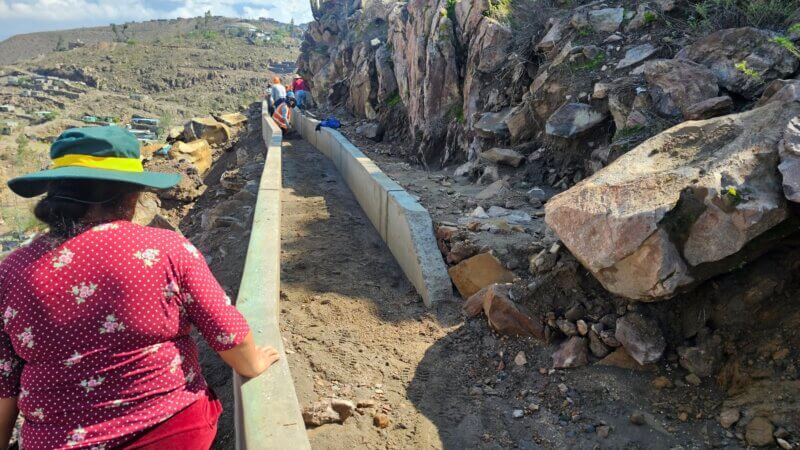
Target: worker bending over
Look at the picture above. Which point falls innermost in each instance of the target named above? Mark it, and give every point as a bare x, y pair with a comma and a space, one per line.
283, 114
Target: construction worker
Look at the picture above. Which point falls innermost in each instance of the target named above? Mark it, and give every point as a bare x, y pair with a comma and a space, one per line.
277, 93
283, 114
300, 91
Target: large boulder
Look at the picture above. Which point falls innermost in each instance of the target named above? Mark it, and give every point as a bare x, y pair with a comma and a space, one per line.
196, 152
493, 124
207, 128
676, 85
573, 119
743, 59
678, 208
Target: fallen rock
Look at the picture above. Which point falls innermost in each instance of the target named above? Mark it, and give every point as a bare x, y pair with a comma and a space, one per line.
728, 417
381, 420
147, 151
572, 353
606, 20
621, 359
635, 55
446, 232
712, 107
147, 208
493, 124
758, 432
175, 133
232, 180
743, 59
675, 85
778, 400
662, 383
520, 359
503, 156
608, 338
328, 411
567, 327
542, 262
478, 272
373, 131
703, 360
572, 119
521, 123
206, 128
641, 337
189, 188
232, 119
503, 315
644, 223
493, 190
637, 418
596, 345
460, 251
777, 86
196, 152
553, 35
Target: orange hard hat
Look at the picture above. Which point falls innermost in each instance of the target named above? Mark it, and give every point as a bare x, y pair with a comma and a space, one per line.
276, 80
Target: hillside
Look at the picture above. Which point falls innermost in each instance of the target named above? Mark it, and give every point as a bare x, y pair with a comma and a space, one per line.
32, 45
169, 70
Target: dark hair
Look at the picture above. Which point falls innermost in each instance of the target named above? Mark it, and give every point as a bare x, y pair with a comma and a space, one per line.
291, 102
68, 201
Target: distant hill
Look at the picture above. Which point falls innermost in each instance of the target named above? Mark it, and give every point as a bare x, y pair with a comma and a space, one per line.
32, 45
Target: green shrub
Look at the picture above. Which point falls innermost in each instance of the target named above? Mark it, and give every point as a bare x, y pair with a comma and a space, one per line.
649, 17
794, 29
787, 44
712, 15
499, 10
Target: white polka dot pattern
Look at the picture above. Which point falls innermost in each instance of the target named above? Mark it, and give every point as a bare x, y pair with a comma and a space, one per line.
95, 334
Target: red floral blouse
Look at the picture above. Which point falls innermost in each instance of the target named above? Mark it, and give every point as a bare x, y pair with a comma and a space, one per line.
95, 335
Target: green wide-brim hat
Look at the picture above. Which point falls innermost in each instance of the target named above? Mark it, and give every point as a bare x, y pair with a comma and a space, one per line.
97, 153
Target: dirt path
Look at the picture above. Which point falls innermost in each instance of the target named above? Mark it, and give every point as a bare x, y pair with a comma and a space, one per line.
356, 330
357, 327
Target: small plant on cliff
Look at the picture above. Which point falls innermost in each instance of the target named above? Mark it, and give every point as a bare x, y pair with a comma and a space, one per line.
393, 101
451, 9
787, 44
649, 17
593, 64
499, 10
794, 29
456, 112
752, 73
733, 196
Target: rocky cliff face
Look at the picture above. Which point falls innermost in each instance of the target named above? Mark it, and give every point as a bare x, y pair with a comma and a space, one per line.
573, 88
441, 62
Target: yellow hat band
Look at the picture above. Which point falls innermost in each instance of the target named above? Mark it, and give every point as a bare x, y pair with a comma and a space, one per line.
99, 162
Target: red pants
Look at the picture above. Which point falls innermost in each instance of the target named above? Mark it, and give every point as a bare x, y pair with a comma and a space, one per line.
194, 428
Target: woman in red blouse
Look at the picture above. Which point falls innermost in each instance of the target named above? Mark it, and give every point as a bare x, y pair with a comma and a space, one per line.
95, 348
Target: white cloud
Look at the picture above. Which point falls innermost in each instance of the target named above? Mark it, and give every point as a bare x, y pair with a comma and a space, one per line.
72, 10
93, 11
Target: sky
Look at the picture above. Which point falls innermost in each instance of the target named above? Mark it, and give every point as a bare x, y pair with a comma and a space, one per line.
26, 16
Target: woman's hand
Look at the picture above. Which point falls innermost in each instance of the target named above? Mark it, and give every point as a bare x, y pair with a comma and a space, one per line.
269, 356
248, 359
